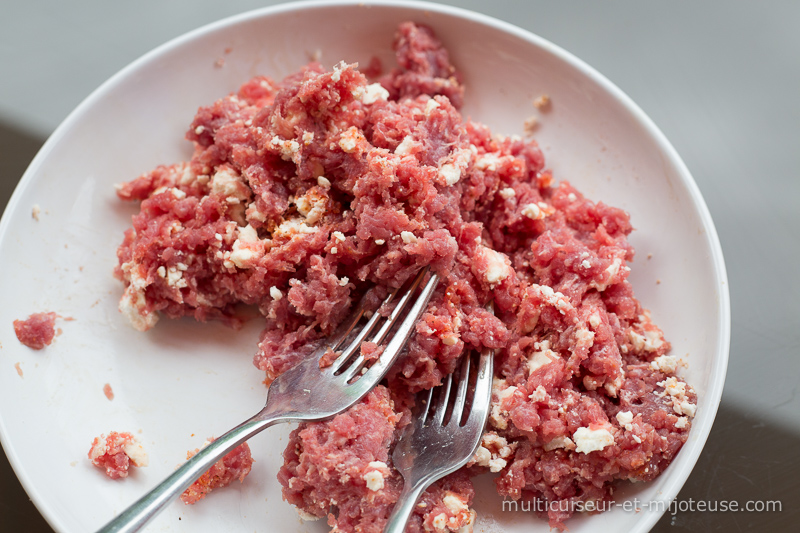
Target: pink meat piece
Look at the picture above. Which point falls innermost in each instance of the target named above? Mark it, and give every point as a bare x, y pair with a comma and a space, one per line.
303, 194
116, 453
36, 331
235, 465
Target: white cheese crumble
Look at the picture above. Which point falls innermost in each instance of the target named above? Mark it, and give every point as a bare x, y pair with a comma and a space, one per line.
571, 197
291, 227
312, 205
673, 387
592, 440
344, 281
541, 356
305, 516
288, 147
308, 137
374, 479
430, 106
595, 320
374, 92
450, 339
440, 522
450, 173
551, 297
497, 269
228, 184
349, 139
380, 242
454, 503
323, 182
134, 307
682, 422
247, 248
135, 451
487, 162
405, 147
507, 193
275, 293
667, 364
560, 442
610, 272
539, 395
408, 237
533, 211
337, 71
497, 416
686, 408
338, 235
625, 419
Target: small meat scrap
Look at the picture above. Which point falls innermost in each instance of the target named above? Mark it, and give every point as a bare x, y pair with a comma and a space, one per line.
108, 391
116, 452
542, 103
37, 331
235, 465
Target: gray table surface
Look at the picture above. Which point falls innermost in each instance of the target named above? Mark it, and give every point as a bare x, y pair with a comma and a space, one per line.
720, 78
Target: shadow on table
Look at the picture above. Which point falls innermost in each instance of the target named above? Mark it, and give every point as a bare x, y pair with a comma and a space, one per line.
17, 148
744, 460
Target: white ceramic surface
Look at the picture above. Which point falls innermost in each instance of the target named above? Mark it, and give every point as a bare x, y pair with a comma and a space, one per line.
183, 381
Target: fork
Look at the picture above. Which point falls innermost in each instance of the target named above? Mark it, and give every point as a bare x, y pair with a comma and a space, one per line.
306, 392
443, 437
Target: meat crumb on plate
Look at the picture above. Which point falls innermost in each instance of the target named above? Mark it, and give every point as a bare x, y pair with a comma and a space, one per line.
36, 331
302, 195
115, 454
235, 465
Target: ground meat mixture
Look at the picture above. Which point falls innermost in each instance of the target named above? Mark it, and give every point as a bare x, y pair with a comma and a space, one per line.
235, 465
37, 331
116, 452
302, 194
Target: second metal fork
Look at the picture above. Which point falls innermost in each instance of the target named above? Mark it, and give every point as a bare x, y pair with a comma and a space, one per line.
444, 435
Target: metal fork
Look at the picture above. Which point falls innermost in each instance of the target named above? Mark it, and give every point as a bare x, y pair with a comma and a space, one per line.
444, 438
304, 393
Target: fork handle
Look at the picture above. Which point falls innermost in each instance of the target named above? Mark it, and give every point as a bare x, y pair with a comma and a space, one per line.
405, 505
135, 517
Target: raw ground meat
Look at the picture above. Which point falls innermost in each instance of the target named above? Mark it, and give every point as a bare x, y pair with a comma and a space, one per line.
304, 193
116, 452
235, 465
37, 331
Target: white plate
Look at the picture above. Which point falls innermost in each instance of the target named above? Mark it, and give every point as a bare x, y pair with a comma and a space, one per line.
183, 381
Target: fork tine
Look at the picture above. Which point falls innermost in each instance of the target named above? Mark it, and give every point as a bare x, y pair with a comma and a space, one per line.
444, 397
483, 387
354, 369
423, 413
403, 332
461, 394
347, 353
